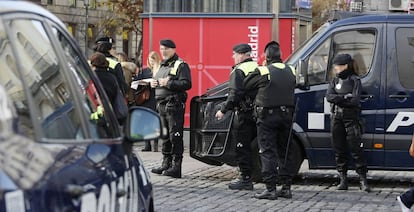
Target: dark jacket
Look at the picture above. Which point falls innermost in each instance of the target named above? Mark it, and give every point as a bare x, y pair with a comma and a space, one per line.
118, 72
347, 83
109, 83
237, 93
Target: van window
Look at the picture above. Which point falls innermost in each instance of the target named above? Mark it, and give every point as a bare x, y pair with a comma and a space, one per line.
405, 56
40, 71
360, 44
318, 64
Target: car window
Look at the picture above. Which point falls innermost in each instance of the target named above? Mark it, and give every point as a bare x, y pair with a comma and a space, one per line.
99, 122
40, 70
405, 56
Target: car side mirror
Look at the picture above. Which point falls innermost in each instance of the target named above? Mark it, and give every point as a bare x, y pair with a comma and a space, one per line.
302, 75
143, 124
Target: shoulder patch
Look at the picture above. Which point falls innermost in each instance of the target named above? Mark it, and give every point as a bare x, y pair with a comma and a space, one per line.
175, 68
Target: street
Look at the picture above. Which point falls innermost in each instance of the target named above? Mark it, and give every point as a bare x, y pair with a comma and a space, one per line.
204, 188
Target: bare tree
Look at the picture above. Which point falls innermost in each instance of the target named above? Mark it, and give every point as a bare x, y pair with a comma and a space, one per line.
321, 10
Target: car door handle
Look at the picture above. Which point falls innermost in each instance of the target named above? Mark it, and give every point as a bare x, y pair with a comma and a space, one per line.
399, 96
366, 96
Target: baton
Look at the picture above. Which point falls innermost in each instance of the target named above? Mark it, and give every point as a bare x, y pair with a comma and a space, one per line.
290, 132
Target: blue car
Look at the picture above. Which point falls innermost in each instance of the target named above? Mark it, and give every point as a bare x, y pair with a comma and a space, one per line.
61, 147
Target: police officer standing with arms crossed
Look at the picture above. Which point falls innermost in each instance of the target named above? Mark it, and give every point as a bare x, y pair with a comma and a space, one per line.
243, 127
344, 93
171, 82
274, 104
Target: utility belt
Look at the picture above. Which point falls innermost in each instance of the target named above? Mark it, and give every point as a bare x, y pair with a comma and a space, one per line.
338, 109
272, 110
171, 103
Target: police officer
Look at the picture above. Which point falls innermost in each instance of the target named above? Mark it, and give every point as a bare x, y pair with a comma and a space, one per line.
243, 126
104, 46
171, 82
344, 94
274, 104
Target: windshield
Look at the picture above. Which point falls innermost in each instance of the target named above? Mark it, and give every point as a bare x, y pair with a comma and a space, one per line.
295, 56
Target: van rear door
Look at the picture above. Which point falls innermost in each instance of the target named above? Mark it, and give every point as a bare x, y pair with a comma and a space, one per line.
399, 95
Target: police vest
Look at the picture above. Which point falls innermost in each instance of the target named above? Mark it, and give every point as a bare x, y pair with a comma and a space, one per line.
165, 71
280, 91
343, 86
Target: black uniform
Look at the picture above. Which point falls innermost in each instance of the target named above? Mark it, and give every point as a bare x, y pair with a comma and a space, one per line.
275, 85
116, 69
243, 128
344, 94
171, 103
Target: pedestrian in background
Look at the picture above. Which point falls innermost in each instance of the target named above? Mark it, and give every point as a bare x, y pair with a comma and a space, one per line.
243, 129
153, 64
406, 200
274, 120
130, 70
344, 93
172, 80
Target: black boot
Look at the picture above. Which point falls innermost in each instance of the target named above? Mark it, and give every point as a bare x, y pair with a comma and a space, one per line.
166, 164
156, 145
175, 170
343, 184
244, 182
364, 183
285, 192
147, 147
268, 193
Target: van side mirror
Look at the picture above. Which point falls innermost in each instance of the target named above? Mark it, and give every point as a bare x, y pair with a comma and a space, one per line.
302, 75
143, 124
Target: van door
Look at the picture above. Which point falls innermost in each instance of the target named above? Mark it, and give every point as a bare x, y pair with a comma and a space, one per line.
361, 43
399, 99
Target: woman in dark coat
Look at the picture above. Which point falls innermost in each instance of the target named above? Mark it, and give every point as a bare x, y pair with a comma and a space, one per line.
153, 63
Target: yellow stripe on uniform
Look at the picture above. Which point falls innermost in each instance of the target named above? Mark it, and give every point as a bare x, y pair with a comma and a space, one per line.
247, 67
264, 71
112, 62
175, 68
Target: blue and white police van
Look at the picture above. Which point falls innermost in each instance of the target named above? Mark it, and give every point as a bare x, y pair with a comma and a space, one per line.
61, 147
383, 48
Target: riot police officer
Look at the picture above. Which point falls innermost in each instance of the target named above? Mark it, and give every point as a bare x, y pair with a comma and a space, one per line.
344, 94
172, 80
274, 104
243, 127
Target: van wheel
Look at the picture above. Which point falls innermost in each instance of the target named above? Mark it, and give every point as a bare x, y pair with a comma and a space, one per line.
298, 158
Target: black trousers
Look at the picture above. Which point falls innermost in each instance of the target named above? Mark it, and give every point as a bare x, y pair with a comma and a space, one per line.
273, 127
172, 117
346, 134
408, 197
243, 132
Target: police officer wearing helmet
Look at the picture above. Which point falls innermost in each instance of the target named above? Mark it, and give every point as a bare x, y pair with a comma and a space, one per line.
172, 80
104, 45
243, 127
274, 104
344, 95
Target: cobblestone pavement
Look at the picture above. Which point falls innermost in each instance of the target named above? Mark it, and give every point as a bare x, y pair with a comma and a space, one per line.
204, 188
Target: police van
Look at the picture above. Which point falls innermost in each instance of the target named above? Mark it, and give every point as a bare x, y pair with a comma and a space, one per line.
61, 147
383, 49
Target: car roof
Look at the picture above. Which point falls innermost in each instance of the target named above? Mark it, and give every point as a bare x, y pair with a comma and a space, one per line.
376, 18
10, 6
